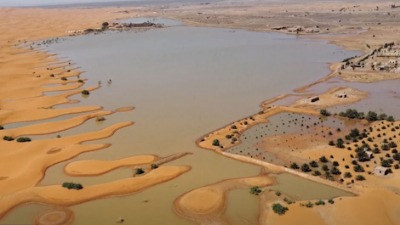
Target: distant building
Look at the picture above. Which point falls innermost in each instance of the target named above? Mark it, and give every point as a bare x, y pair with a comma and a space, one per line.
381, 171
314, 99
389, 52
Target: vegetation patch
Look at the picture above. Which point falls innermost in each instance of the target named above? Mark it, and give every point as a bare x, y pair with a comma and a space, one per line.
71, 185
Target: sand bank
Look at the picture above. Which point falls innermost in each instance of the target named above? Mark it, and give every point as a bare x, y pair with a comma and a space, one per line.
206, 205
57, 195
26, 74
98, 167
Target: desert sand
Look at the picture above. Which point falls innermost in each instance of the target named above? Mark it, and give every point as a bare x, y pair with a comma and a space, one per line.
25, 76
24, 72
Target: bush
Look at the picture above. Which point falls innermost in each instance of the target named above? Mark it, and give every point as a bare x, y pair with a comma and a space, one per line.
320, 202
8, 138
1, 127
71, 185
358, 169
80, 81
278, 193
234, 127
279, 209
309, 205
331, 201
139, 171
323, 159
154, 166
347, 175
229, 136
215, 142
316, 173
340, 143
314, 164
305, 168
23, 139
335, 171
360, 177
372, 116
255, 190
331, 143
294, 166
324, 112
85, 92
64, 78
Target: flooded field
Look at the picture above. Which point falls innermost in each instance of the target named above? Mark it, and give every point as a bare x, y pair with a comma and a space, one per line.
183, 82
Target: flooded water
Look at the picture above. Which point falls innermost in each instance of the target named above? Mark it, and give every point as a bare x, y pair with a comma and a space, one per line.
184, 82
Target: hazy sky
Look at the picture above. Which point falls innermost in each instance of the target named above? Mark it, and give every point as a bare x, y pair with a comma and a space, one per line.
46, 2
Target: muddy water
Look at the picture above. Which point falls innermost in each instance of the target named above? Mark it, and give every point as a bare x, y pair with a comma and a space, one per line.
184, 82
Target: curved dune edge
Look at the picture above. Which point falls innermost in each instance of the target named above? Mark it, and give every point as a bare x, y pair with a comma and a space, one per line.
57, 195
52, 127
206, 205
98, 167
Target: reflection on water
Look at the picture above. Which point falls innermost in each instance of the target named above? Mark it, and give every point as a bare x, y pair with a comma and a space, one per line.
184, 82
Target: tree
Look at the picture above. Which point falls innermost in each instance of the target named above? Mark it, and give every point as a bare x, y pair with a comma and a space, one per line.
335, 171
358, 168
294, 166
104, 25
139, 171
360, 177
372, 116
305, 168
154, 166
347, 175
215, 142
279, 209
340, 143
324, 112
255, 190
323, 159
314, 164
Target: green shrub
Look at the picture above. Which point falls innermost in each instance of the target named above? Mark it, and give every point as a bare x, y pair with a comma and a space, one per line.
360, 177
85, 92
323, 159
278, 193
71, 185
154, 166
215, 142
294, 166
255, 190
23, 139
139, 171
8, 138
309, 205
305, 168
279, 209
320, 202
314, 164
324, 112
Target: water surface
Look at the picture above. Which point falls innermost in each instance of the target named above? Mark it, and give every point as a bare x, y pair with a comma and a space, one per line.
184, 82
